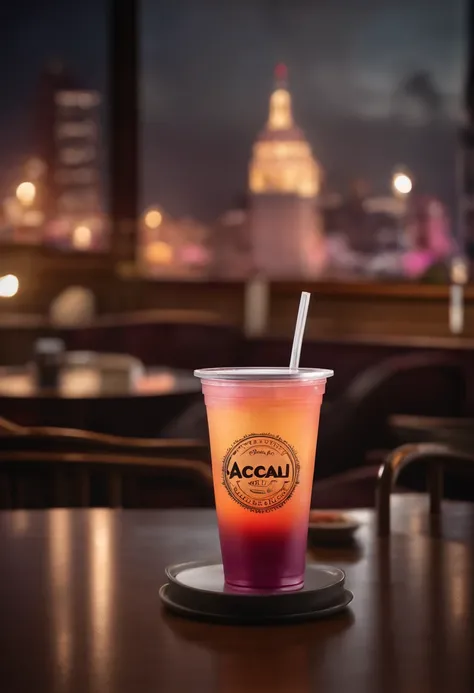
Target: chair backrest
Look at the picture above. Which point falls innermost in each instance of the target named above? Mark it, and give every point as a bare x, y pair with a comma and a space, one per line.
32, 479
424, 384
432, 383
48, 466
51, 438
438, 459
8, 428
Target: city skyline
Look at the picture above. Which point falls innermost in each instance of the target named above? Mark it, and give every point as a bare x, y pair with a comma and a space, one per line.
200, 115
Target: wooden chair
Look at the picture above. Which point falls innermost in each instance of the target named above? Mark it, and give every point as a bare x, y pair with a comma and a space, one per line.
48, 466
416, 384
438, 459
8, 428
32, 479
51, 438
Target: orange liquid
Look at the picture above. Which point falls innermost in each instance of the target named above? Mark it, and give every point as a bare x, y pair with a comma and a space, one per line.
263, 442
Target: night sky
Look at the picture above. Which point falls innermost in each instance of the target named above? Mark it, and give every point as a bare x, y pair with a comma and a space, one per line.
207, 72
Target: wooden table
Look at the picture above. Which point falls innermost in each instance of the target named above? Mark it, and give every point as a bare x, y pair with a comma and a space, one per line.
89, 382
458, 432
80, 610
139, 406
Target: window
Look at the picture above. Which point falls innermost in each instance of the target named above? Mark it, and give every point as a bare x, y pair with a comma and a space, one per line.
52, 134
297, 139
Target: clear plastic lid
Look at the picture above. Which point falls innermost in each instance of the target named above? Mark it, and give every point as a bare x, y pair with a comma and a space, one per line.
283, 373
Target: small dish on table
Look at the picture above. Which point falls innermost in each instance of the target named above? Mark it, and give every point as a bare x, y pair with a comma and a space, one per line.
331, 527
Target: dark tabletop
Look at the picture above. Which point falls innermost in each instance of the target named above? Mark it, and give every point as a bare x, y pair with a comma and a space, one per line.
95, 400
80, 611
89, 382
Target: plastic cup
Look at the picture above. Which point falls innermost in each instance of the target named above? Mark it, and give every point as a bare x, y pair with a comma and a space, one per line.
263, 427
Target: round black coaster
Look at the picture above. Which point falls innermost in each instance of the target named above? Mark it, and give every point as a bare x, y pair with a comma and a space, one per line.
198, 590
255, 619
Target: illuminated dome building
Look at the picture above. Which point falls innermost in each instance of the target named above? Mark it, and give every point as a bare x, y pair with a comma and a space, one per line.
284, 182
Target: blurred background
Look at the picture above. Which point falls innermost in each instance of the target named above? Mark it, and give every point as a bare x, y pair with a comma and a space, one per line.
171, 178
328, 135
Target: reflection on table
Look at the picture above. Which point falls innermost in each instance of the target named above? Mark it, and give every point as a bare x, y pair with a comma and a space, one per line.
80, 587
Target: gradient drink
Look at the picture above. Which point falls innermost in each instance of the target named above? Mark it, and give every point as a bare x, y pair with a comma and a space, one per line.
263, 425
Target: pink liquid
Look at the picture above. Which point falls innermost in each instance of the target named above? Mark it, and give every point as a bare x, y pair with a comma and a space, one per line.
264, 561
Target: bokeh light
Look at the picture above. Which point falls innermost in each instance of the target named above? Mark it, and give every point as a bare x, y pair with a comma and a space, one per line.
459, 270
82, 237
9, 286
402, 184
26, 193
159, 253
153, 218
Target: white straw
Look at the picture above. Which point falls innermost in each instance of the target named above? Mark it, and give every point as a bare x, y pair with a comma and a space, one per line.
299, 330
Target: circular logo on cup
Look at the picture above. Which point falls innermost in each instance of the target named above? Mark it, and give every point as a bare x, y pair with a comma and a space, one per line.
260, 472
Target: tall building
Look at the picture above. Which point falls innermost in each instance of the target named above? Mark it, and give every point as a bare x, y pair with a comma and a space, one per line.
68, 143
284, 183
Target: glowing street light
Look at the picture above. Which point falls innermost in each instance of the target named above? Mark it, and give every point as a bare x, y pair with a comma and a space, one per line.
9, 286
401, 184
26, 193
153, 218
